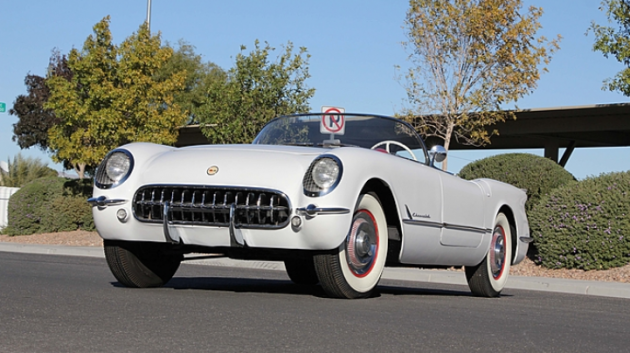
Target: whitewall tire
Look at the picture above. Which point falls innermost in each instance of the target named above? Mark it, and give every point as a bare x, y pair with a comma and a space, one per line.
489, 277
355, 268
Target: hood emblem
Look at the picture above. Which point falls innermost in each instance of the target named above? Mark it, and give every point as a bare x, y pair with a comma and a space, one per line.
213, 170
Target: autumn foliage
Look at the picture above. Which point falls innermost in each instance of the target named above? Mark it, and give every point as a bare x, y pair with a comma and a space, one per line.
113, 98
470, 58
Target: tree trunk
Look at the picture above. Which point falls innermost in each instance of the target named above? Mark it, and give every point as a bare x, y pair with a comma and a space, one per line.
447, 143
80, 169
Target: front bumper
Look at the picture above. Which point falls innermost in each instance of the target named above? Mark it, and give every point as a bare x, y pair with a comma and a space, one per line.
311, 228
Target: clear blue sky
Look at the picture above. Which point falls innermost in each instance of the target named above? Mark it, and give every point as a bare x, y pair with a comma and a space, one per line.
354, 47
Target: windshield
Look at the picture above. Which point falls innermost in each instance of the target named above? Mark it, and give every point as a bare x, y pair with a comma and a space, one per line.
332, 130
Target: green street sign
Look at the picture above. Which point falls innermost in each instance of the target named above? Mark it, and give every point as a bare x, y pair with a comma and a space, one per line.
3, 107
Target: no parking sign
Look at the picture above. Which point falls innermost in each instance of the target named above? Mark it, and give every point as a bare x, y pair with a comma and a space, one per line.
333, 121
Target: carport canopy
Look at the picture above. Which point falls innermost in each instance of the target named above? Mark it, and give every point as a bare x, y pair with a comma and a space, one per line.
601, 125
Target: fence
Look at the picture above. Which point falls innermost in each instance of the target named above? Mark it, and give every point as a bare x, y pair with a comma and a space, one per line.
5, 194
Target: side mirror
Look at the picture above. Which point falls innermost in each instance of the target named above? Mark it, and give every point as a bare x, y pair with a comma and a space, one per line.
437, 154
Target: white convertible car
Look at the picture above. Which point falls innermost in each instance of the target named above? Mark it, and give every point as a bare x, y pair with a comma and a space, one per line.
336, 197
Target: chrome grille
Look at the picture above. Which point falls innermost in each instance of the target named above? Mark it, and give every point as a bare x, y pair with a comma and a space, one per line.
210, 206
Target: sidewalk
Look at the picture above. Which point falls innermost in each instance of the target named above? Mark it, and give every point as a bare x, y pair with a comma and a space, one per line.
604, 289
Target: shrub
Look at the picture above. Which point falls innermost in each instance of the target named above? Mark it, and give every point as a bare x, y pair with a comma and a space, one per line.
49, 205
584, 225
27, 207
67, 213
537, 174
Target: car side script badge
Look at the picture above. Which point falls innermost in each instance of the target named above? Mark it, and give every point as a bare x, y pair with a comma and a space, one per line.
213, 170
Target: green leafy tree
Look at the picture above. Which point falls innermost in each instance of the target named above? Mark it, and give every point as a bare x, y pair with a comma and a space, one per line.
615, 42
113, 98
256, 90
24, 170
469, 59
199, 78
33, 119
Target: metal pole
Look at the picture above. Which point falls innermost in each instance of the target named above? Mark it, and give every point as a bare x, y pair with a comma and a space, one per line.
149, 14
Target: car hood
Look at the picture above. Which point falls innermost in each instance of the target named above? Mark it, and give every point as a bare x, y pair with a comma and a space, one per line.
232, 165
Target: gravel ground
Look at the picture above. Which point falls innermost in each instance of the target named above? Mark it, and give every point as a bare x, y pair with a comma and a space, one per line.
525, 268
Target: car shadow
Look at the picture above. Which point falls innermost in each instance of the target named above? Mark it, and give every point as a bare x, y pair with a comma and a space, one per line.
278, 286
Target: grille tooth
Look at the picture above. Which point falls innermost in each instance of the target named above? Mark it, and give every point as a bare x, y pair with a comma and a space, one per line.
210, 206
202, 206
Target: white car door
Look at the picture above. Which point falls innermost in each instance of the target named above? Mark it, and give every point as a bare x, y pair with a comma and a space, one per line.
442, 218
420, 208
463, 211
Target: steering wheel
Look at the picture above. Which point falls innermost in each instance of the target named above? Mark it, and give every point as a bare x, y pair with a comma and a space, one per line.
387, 143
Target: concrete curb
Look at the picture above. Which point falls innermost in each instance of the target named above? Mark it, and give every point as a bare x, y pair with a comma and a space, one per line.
89, 251
593, 288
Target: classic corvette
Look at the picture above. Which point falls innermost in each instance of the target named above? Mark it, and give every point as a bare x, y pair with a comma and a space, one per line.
337, 197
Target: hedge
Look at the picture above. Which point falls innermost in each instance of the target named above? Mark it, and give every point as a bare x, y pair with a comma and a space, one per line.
537, 174
584, 225
49, 205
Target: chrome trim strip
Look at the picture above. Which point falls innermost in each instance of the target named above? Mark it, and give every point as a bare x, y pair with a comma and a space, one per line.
446, 225
423, 223
312, 210
526, 240
102, 201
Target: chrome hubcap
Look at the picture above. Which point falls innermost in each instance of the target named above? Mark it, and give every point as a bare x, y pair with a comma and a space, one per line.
497, 252
362, 243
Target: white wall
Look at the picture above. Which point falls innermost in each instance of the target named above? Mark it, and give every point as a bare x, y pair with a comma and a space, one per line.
5, 194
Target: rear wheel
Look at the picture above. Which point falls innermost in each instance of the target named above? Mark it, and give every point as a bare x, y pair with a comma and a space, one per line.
141, 264
302, 271
355, 268
489, 277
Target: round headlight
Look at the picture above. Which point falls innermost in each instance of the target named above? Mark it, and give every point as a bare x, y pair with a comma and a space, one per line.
114, 169
117, 166
325, 173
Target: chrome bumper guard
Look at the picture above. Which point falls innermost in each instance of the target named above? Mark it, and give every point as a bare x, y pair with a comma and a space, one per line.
236, 237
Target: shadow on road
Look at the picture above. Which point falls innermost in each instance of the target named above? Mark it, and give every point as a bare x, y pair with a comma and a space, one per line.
278, 286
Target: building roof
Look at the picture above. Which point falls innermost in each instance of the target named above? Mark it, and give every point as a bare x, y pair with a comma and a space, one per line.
601, 125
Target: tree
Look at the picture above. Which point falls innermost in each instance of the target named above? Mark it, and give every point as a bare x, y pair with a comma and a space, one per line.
615, 42
24, 170
113, 98
33, 119
199, 78
256, 90
470, 58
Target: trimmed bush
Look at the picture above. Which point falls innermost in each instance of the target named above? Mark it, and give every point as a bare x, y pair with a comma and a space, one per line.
539, 175
68, 213
50, 204
584, 225
27, 207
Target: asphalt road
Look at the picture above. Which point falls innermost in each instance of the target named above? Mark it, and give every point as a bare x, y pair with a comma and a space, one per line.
73, 304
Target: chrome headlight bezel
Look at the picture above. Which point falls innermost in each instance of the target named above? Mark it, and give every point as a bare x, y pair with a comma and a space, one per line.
114, 169
322, 176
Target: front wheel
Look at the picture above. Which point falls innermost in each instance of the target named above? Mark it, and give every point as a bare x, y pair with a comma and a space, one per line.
489, 277
354, 269
141, 265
